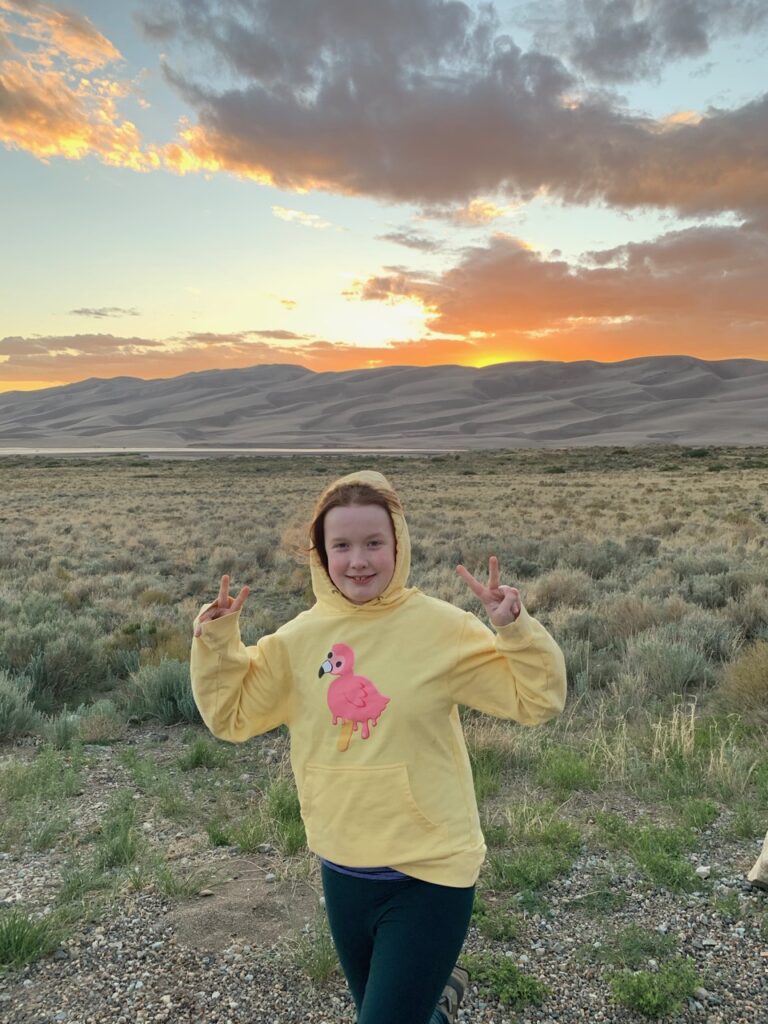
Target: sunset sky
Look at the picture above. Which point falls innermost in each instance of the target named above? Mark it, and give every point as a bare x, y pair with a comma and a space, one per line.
200, 184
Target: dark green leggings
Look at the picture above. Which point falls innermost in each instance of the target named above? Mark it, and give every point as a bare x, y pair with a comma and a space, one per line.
397, 942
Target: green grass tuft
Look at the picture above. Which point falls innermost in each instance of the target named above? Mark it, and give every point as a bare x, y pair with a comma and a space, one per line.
500, 978
24, 938
659, 992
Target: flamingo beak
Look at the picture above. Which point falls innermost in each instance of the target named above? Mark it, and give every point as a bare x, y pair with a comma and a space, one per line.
325, 667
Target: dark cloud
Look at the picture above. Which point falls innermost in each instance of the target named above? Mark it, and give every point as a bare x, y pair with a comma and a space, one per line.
279, 335
412, 241
430, 102
104, 311
616, 41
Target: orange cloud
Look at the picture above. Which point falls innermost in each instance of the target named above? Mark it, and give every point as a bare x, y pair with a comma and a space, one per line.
699, 290
58, 34
50, 102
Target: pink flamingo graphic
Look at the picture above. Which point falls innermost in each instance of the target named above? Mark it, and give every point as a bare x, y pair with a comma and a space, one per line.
351, 698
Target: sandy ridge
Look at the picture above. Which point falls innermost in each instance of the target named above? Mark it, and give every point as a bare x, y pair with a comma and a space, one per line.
667, 399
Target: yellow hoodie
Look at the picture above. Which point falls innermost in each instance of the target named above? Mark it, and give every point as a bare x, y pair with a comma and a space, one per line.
400, 791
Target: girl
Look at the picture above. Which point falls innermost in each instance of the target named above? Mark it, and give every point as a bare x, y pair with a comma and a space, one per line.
368, 682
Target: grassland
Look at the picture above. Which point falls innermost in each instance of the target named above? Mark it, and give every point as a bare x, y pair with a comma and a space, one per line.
650, 567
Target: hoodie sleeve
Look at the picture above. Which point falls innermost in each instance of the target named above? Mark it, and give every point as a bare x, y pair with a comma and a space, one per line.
240, 691
519, 673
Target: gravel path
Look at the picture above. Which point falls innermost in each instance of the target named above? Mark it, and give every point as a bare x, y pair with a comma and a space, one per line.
144, 961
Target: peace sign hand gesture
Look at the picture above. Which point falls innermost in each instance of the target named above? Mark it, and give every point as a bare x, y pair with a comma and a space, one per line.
502, 603
223, 605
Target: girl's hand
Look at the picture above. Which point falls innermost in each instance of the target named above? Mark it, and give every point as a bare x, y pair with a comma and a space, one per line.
502, 603
223, 605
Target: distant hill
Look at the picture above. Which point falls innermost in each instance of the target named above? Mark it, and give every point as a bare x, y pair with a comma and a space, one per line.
666, 399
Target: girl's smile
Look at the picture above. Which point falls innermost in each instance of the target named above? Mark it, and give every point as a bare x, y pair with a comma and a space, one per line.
360, 543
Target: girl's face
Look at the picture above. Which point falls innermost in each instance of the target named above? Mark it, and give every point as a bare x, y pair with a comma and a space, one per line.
360, 544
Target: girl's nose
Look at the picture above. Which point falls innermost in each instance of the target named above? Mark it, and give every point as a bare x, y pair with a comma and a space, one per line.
358, 560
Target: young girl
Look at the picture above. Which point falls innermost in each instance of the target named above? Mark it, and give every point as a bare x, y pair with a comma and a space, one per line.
368, 682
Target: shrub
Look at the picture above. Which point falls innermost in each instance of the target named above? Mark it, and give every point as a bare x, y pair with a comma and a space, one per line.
718, 638
687, 564
642, 544
61, 731
706, 590
100, 722
164, 692
18, 717
570, 587
588, 667
667, 666
224, 559
61, 661
745, 685
749, 613
149, 597
626, 615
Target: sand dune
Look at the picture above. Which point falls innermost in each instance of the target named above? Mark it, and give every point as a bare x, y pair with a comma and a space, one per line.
676, 399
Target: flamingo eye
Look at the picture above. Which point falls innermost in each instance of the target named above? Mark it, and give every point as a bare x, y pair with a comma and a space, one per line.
330, 654
338, 664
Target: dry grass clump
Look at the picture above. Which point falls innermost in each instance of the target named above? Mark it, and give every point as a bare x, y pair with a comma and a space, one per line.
571, 587
749, 613
745, 683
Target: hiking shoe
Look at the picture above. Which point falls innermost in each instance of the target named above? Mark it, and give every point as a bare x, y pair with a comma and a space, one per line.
453, 993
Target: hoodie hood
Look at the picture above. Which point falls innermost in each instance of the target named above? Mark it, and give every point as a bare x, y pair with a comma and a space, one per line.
329, 597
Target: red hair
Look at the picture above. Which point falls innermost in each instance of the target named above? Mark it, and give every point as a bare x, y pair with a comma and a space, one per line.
355, 493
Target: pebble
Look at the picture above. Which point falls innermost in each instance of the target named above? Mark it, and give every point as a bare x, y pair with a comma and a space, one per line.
130, 968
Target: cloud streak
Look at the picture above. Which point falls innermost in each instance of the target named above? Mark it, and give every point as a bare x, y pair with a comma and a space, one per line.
102, 312
307, 220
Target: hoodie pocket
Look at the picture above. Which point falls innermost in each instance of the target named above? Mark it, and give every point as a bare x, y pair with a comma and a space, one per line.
365, 817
